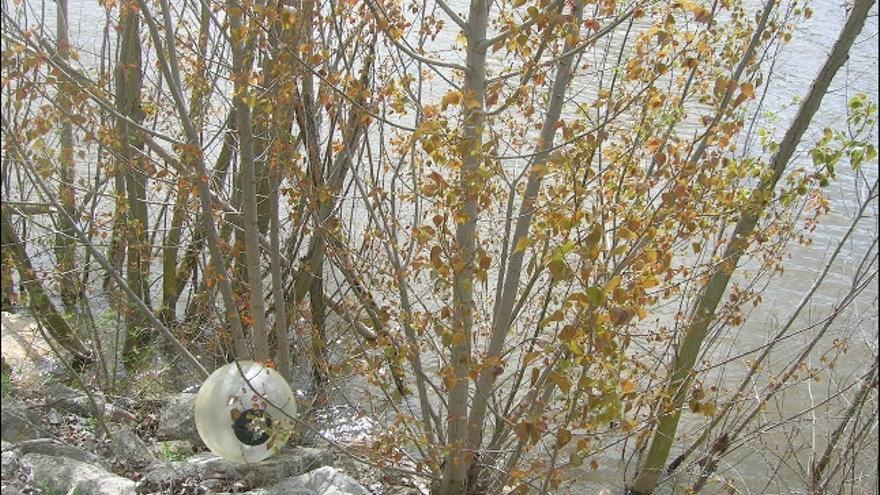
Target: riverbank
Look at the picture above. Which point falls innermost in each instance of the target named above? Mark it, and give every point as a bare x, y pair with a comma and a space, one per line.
58, 439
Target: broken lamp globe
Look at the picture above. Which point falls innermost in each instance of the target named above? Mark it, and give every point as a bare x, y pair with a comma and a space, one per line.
244, 411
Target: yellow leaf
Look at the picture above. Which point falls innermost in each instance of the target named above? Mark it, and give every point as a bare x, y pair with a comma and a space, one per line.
530, 356
561, 381
628, 425
436, 260
555, 316
563, 437
451, 98
708, 408
611, 284
569, 332
472, 102
559, 270
533, 12
522, 244
594, 236
628, 386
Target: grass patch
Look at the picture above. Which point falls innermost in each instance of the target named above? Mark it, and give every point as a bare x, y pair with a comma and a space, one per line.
6, 386
169, 454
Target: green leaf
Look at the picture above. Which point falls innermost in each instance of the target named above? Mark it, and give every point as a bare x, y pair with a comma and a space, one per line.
595, 296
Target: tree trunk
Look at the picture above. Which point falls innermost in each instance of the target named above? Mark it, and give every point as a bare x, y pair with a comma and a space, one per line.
171, 244
460, 458
65, 247
167, 60
128, 95
504, 318
241, 63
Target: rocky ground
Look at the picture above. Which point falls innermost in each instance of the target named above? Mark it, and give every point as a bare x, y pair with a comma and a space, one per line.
52, 443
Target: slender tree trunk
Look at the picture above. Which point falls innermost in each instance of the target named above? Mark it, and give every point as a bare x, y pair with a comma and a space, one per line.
282, 343
171, 244
167, 60
221, 167
504, 317
128, 95
170, 247
277, 145
65, 247
461, 457
704, 310
241, 74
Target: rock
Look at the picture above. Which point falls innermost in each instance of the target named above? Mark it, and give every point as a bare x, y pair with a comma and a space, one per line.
401, 490
54, 417
207, 465
322, 481
63, 475
77, 402
25, 350
18, 422
9, 461
177, 420
52, 447
129, 447
10, 490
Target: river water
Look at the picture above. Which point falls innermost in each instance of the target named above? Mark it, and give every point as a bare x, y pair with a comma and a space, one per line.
798, 63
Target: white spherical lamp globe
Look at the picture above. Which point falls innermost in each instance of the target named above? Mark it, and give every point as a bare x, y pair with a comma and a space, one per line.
244, 411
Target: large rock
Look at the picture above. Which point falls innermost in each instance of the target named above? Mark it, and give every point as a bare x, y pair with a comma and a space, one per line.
52, 447
287, 463
322, 481
18, 422
10, 490
9, 461
63, 475
129, 447
177, 420
77, 402
25, 350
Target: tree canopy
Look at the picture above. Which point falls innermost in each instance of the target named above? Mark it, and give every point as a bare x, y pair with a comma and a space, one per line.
523, 236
